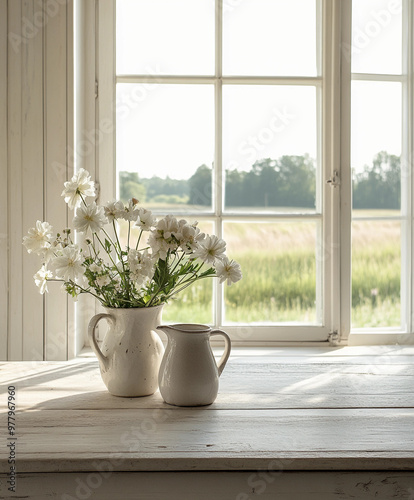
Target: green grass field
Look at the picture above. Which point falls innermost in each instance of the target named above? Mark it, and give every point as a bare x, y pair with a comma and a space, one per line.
279, 276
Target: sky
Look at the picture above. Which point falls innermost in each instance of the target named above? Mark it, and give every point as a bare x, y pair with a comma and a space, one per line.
169, 129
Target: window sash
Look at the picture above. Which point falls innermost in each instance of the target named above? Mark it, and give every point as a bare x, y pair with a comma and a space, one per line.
362, 336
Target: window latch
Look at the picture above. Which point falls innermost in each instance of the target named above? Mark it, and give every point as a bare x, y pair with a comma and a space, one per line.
334, 180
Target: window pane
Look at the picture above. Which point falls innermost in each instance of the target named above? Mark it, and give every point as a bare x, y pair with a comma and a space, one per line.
269, 37
376, 264
376, 144
376, 37
278, 262
270, 147
165, 37
165, 145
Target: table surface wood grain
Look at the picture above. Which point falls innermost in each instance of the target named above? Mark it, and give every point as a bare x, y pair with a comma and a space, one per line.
296, 409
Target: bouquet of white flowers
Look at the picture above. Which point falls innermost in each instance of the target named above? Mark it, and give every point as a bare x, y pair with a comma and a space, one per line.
175, 255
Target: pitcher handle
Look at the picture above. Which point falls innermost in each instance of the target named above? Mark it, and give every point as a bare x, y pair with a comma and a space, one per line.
227, 349
92, 338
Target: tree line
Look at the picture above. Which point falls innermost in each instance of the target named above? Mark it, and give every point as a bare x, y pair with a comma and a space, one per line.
286, 182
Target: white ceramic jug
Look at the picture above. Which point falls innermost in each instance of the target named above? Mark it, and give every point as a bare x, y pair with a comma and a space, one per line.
131, 352
189, 375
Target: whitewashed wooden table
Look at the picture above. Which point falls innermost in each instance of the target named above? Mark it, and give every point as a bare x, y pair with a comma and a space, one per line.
288, 424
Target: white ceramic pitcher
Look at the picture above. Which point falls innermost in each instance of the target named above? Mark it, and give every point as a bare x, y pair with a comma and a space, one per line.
189, 375
131, 352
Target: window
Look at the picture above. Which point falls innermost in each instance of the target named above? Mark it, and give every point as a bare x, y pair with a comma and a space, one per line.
241, 114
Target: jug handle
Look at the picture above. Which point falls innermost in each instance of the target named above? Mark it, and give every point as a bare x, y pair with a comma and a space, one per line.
92, 338
227, 349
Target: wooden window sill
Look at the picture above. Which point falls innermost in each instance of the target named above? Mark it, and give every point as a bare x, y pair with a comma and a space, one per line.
281, 410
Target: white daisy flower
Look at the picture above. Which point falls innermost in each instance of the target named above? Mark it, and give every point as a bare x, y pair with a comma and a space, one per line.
167, 226
51, 251
141, 265
163, 237
145, 220
41, 278
114, 210
131, 212
211, 249
80, 184
89, 217
68, 265
190, 236
229, 270
39, 238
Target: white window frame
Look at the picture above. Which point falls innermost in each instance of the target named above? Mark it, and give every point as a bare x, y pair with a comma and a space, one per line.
335, 153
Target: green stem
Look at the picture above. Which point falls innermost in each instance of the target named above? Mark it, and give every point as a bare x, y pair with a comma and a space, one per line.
117, 238
160, 286
123, 276
87, 291
127, 287
193, 278
83, 199
113, 243
139, 239
93, 246
120, 251
103, 246
186, 286
176, 265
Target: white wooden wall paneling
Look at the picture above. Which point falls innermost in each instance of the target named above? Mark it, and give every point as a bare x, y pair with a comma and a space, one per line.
15, 310
32, 174
4, 263
55, 87
36, 125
